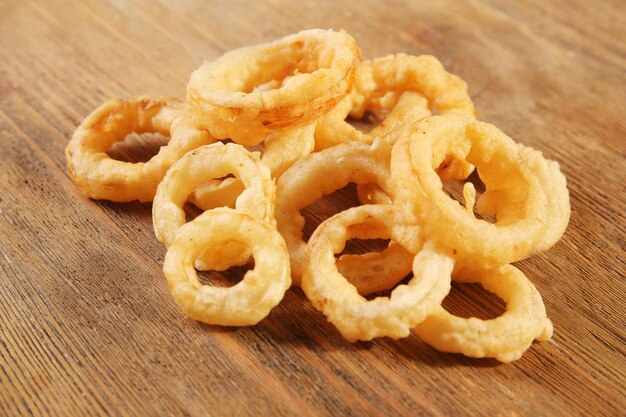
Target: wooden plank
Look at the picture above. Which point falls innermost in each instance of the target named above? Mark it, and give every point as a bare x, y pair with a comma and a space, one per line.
87, 324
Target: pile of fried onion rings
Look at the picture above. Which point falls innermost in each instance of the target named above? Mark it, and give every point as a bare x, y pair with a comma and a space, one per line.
264, 132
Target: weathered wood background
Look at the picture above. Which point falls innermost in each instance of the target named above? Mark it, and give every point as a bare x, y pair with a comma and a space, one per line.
87, 324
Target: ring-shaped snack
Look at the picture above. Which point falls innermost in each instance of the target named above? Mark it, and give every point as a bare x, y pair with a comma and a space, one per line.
245, 303
396, 74
99, 176
506, 337
513, 193
355, 317
280, 151
248, 93
373, 272
386, 77
407, 87
320, 174
554, 185
203, 164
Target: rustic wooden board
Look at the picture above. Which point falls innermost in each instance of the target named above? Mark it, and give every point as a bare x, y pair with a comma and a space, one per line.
87, 325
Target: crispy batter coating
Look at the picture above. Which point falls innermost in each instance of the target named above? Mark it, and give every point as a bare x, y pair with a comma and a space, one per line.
99, 176
248, 93
554, 186
247, 302
322, 173
355, 317
513, 193
506, 337
399, 73
281, 150
291, 99
203, 164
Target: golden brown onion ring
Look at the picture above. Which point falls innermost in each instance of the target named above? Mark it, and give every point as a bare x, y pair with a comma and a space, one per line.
383, 79
379, 84
406, 86
319, 174
400, 73
554, 186
506, 337
99, 176
203, 164
513, 193
281, 150
250, 300
355, 317
248, 93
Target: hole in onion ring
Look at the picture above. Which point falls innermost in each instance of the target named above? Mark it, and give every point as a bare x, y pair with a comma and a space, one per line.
455, 189
357, 246
223, 195
434, 109
274, 84
367, 123
374, 118
191, 212
387, 293
472, 300
137, 147
226, 278
326, 207
273, 80
474, 178
370, 260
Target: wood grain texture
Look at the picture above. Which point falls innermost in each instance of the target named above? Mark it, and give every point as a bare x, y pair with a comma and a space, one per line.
87, 324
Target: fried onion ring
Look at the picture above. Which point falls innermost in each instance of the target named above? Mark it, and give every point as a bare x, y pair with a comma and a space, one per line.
400, 73
203, 164
378, 271
99, 176
281, 150
355, 317
320, 174
513, 193
383, 79
406, 86
248, 93
506, 337
554, 185
250, 300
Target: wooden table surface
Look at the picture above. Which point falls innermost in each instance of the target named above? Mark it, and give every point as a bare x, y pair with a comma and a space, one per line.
87, 324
